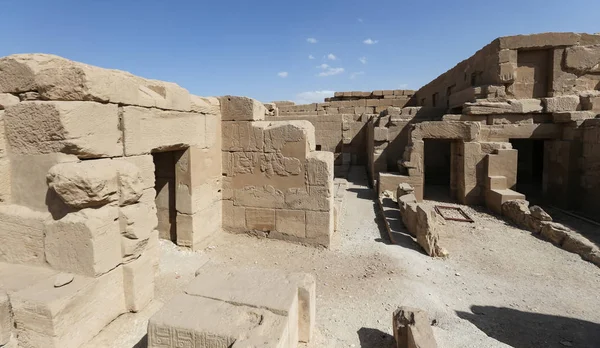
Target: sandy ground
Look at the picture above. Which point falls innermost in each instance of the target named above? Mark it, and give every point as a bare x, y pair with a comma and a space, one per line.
501, 286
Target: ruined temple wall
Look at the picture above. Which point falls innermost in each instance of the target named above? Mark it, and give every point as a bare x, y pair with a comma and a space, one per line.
274, 182
77, 188
590, 169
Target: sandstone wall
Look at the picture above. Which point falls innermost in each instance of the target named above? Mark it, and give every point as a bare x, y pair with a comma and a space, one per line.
275, 184
77, 188
590, 170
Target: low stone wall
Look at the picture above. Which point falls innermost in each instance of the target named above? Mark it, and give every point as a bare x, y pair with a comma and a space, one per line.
536, 220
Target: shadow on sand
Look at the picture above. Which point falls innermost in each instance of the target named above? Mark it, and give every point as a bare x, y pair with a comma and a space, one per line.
526, 330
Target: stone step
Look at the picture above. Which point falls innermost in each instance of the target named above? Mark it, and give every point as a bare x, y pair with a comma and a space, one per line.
497, 182
495, 198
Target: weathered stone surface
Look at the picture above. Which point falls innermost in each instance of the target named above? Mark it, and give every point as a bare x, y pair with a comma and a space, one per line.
242, 136
412, 328
555, 232
56, 78
6, 320
467, 131
319, 168
85, 184
138, 282
202, 322
68, 316
206, 105
318, 198
517, 211
145, 165
87, 242
85, 129
291, 222
130, 182
7, 100
137, 221
570, 116
427, 235
195, 231
320, 227
512, 106
539, 213
583, 59
263, 197
147, 130
291, 138
22, 235
562, 103
241, 109
132, 249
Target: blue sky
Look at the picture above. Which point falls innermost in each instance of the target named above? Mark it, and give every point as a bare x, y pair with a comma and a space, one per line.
261, 48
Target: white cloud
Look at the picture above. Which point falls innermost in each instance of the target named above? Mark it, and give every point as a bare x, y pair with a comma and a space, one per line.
283, 74
312, 97
331, 71
354, 74
363, 60
331, 56
360, 20
370, 42
311, 40
310, 56
322, 66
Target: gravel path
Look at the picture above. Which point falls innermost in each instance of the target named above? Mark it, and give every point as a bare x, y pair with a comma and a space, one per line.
501, 286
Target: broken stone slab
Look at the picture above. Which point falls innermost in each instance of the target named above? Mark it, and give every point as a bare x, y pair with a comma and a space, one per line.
412, 328
194, 321
87, 184
290, 295
86, 129
56, 78
67, 316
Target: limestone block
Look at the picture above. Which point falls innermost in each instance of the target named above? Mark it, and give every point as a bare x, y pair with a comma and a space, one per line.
539, 213
412, 328
130, 182
196, 231
241, 109
138, 282
319, 227
272, 164
507, 56
318, 198
292, 295
467, 131
22, 235
6, 320
56, 78
5, 180
242, 136
562, 103
28, 180
196, 321
583, 59
319, 168
259, 196
260, 219
571, 116
526, 106
86, 242
147, 130
427, 235
68, 316
131, 249
153, 251
137, 221
205, 105
85, 184
543, 40
8, 100
145, 166
589, 101
85, 129
234, 218
380, 134
291, 138
290, 222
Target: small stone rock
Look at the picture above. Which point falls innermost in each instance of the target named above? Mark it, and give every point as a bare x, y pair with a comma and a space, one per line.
63, 279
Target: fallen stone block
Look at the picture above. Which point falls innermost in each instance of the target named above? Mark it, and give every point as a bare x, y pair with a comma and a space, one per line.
85, 129
290, 295
85, 184
67, 316
412, 328
426, 233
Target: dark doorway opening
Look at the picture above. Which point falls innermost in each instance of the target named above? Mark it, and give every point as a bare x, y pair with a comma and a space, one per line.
165, 186
530, 167
437, 162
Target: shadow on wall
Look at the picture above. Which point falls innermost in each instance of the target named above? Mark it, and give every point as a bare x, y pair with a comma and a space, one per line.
524, 330
373, 338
